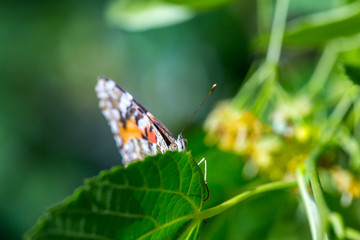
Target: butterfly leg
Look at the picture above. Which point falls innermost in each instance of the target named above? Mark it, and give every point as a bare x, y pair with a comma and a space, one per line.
205, 171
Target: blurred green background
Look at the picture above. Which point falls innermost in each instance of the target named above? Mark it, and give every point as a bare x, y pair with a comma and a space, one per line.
52, 134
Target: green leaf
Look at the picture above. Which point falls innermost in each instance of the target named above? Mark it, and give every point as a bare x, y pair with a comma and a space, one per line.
201, 4
316, 29
353, 72
138, 15
141, 15
157, 198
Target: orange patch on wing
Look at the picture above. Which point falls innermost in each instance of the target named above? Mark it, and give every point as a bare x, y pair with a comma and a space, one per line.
132, 131
151, 135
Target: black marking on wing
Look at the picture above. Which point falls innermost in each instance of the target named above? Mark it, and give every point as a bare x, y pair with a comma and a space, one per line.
144, 137
123, 122
139, 105
130, 112
157, 123
138, 117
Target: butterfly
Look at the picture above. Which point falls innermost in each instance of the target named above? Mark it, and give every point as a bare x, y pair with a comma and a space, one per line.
136, 131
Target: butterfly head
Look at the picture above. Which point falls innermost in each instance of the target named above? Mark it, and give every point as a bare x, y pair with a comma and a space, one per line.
181, 143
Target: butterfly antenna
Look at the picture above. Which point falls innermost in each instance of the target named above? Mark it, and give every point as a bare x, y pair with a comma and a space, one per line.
211, 90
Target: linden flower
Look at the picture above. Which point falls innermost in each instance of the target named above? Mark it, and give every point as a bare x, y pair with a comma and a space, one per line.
233, 129
346, 182
262, 155
273, 153
278, 157
285, 116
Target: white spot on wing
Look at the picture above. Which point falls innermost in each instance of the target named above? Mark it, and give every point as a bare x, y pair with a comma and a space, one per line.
115, 114
100, 86
105, 104
142, 123
137, 147
114, 126
124, 103
114, 95
109, 85
106, 113
118, 141
117, 90
128, 96
102, 95
134, 155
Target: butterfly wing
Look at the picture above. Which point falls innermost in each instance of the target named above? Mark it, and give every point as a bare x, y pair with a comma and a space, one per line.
136, 136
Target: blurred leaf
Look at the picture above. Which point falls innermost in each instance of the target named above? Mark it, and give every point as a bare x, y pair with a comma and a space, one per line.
352, 56
353, 72
201, 4
138, 15
301, 7
156, 197
318, 28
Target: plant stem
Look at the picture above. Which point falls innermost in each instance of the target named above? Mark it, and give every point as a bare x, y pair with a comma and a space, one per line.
338, 225
322, 70
319, 214
337, 115
208, 213
248, 91
310, 207
277, 31
327, 62
317, 191
266, 71
343, 105
352, 234
263, 16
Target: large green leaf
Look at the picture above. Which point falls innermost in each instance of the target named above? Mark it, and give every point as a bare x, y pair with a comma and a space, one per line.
139, 15
157, 198
201, 4
321, 27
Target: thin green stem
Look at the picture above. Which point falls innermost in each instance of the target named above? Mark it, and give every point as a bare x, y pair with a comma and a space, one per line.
208, 213
277, 31
352, 234
194, 228
343, 106
310, 207
265, 72
263, 16
317, 191
337, 115
322, 214
338, 225
246, 93
357, 117
265, 93
322, 70
327, 62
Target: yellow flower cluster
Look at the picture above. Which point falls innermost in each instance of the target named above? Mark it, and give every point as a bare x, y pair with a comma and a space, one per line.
274, 150
232, 129
346, 182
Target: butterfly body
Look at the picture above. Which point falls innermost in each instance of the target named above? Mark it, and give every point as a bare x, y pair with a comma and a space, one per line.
136, 131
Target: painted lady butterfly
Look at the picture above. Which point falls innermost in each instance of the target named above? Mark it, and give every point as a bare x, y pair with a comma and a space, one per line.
136, 131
